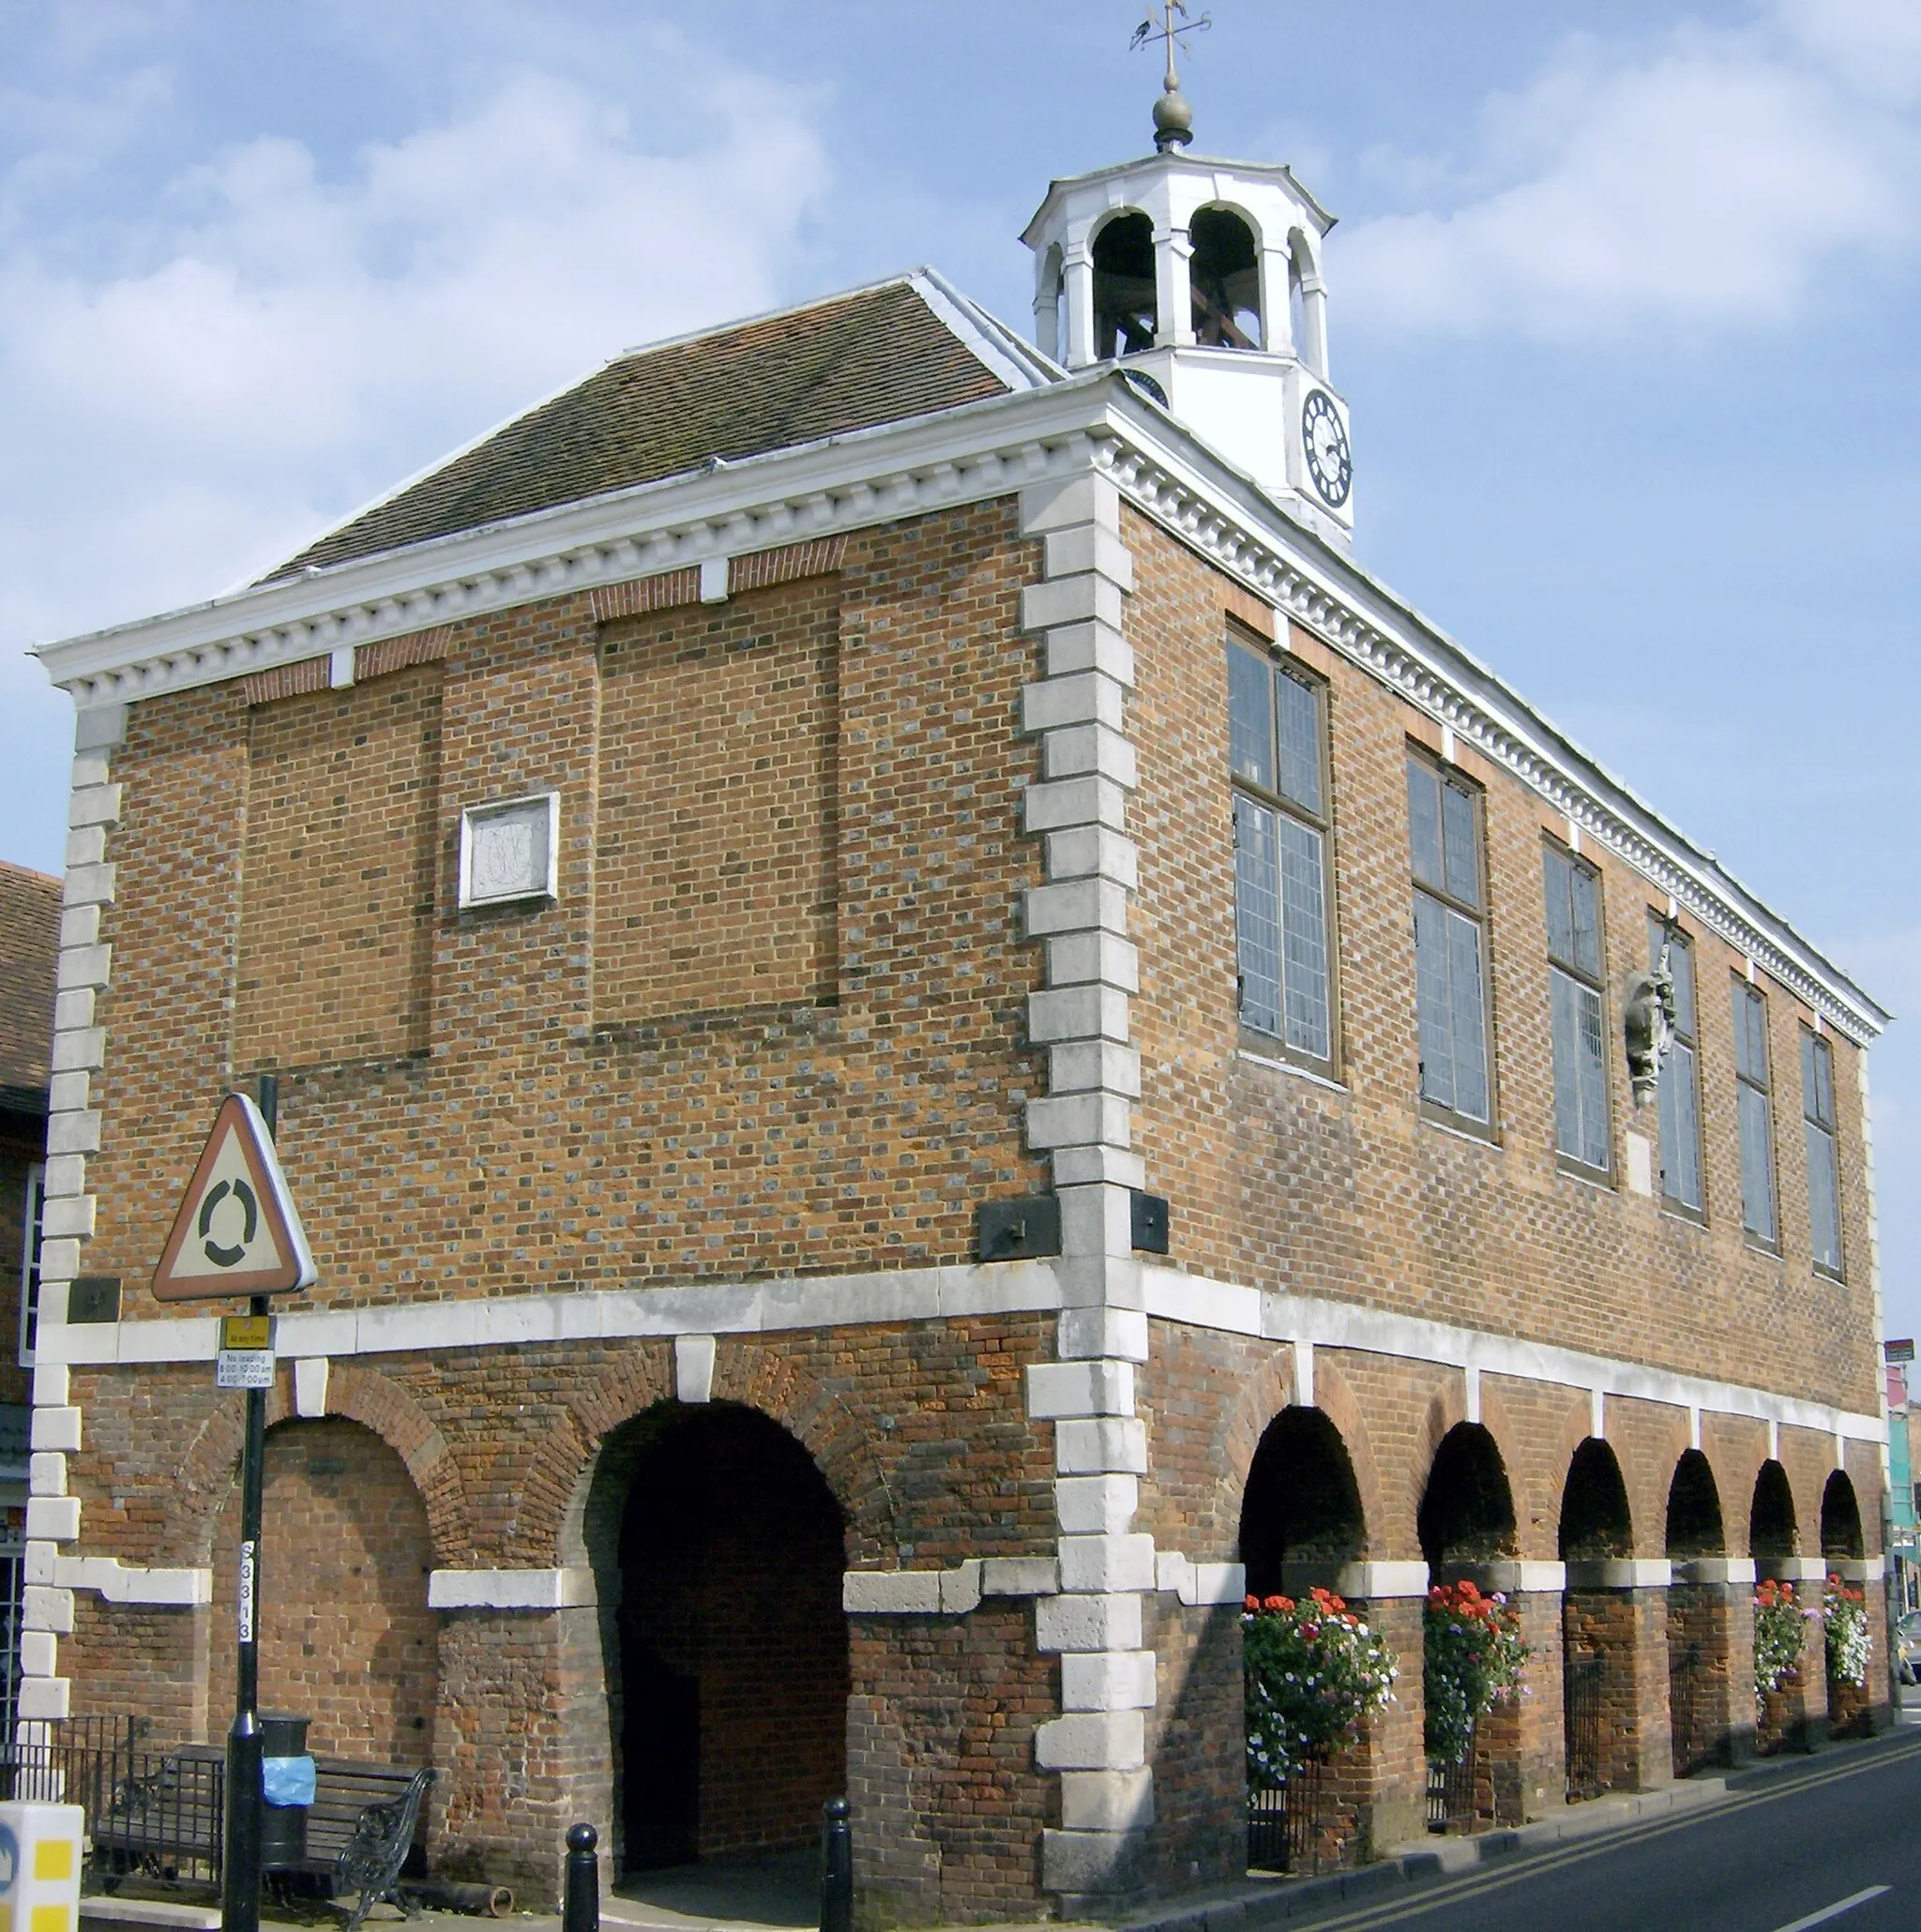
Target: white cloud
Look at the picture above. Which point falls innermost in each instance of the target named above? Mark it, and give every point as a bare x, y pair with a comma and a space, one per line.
262, 346
1705, 182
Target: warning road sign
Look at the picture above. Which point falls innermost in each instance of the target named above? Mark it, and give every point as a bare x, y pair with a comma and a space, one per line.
237, 1232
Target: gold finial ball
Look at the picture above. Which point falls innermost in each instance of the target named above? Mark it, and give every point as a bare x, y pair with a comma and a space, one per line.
1173, 121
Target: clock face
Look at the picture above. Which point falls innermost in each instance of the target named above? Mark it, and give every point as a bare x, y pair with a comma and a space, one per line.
1325, 443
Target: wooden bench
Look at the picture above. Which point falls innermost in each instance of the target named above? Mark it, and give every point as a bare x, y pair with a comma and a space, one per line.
361, 1827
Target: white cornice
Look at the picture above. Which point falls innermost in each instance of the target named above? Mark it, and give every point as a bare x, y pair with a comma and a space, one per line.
981, 450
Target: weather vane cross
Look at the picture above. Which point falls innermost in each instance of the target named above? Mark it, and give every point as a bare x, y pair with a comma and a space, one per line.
1173, 119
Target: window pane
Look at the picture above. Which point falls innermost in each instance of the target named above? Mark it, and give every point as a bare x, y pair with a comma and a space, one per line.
1433, 1006
1470, 1043
1824, 1205
1750, 1034
1558, 875
1424, 822
1300, 741
1817, 1081
1587, 920
1580, 1082
1757, 1164
1304, 926
1463, 861
1249, 735
1257, 914
1681, 1128
1681, 964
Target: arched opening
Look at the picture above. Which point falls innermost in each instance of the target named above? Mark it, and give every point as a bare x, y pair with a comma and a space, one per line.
1467, 1510
718, 1550
1699, 1698
1307, 301
1466, 1517
1843, 1547
1597, 1625
1772, 1537
1301, 1516
1694, 1510
346, 1638
1050, 306
1595, 1521
1840, 1521
1224, 278
1772, 1533
1126, 305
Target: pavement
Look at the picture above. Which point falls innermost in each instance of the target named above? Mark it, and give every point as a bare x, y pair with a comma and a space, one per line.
781, 1894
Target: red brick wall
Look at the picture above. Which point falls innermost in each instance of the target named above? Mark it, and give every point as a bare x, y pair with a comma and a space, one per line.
342, 808
1278, 1182
533, 1150
714, 885
346, 1637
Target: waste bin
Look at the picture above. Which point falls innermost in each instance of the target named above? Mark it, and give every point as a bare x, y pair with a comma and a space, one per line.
287, 1775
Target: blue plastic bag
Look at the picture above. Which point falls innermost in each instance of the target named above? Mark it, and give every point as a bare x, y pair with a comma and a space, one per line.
287, 1780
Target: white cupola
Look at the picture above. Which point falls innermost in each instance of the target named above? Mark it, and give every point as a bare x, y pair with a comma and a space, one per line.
1203, 277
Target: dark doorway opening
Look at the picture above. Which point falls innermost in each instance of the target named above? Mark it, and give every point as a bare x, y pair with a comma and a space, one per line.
733, 1644
1302, 1505
1467, 1511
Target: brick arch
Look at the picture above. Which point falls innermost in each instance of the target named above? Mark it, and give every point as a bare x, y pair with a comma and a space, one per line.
559, 1482
1264, 1395
828, 1429
1648, 1449
1447, 1410
355, 1394
1736, 1469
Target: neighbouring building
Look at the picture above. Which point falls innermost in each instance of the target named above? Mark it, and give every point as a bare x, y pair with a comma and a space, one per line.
919, 1035
1905, 1572
29, 940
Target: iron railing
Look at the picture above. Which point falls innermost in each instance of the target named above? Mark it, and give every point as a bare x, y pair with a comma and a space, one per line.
1285, 1821
158, 1812
1451, 1805
1582, 1681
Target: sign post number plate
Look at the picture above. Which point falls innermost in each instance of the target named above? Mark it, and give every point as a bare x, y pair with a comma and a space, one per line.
246, 1358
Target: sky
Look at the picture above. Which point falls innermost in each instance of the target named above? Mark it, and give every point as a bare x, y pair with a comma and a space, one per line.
1621, 299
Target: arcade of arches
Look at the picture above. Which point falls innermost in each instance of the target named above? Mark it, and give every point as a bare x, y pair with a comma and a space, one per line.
1642, 1667
718, 1681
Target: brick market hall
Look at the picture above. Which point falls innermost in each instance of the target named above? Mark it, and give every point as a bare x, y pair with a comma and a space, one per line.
921, 1036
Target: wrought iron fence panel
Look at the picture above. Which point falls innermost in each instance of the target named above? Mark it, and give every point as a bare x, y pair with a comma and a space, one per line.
1285, 1821
1451, 1791
1583, 1683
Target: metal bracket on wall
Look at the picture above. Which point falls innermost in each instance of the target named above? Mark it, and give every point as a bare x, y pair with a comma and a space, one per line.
1022, 1229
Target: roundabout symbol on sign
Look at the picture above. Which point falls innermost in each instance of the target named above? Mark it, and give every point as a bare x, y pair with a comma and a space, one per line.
220, 1256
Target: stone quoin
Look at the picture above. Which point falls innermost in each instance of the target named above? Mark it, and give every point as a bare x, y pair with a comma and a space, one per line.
687, 855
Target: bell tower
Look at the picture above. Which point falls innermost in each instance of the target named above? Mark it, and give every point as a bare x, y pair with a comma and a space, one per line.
1201, 279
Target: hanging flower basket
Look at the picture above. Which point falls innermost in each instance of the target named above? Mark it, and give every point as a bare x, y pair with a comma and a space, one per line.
1474, 1657
1780, 1632
1313, 1671
1844, 1611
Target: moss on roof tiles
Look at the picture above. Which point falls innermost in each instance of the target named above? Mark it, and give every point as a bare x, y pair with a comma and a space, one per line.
874, 356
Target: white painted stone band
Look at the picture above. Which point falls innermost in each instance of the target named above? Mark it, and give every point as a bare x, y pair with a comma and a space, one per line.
927, 1294
951, 1592
132, 1583
510, 1589
1620, 1573
1196, 1299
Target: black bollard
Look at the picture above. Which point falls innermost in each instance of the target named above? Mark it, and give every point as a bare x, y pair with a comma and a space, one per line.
836, 1867
580, 1908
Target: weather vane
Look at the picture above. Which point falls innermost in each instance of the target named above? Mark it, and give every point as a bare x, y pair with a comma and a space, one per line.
1173, 119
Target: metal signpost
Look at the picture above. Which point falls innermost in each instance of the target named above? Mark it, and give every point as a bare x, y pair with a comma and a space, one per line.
237, 1232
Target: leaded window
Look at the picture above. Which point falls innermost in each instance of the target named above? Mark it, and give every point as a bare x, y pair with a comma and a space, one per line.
1277, 749
1578, 1023
1679, 1087
1753, 1102
1450, 974
1823, 1180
